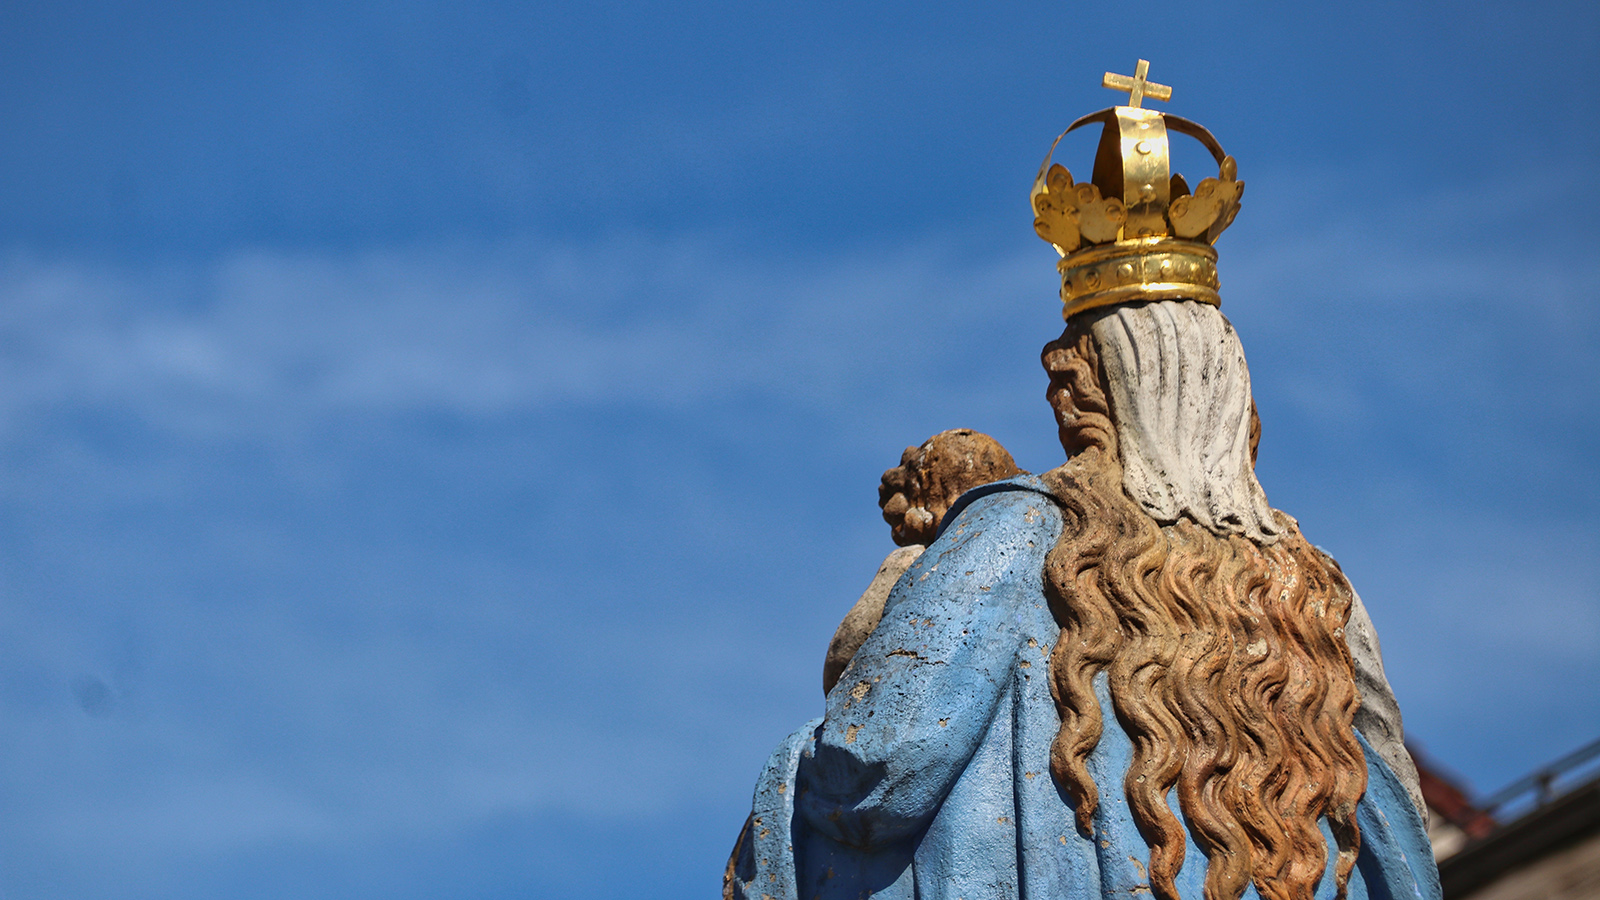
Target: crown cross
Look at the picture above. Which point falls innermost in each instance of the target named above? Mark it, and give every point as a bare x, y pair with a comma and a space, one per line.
1137, 87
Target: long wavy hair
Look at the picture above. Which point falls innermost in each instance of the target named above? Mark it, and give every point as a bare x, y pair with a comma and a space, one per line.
1225, 658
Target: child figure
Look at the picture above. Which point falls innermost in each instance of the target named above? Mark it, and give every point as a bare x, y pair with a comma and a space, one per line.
914, 497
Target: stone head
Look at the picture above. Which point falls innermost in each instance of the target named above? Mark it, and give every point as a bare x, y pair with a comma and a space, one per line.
916, 494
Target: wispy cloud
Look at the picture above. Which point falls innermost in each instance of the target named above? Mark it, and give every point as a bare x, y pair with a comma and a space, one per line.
477, 332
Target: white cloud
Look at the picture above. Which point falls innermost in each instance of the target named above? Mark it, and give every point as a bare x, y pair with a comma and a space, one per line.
274, 337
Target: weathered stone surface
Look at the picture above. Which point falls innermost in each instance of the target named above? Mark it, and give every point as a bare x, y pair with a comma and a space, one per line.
863, 617
916, 494
1378, 717
1179, 390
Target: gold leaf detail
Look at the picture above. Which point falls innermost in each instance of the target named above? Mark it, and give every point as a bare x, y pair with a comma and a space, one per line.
1214, 201
1227, 214
1099, 219
1056, 211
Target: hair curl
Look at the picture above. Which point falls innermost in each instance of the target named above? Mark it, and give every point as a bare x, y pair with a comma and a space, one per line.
1226, 664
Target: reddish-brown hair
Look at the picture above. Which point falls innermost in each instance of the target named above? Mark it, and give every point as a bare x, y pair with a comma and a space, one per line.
1226, 664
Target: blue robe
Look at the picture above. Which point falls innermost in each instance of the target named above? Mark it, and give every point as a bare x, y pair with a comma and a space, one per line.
929, 776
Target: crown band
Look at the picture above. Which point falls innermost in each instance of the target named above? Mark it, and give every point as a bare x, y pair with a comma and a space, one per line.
1159, 268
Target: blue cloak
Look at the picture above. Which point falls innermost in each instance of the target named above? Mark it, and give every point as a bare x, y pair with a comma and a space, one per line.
929, 776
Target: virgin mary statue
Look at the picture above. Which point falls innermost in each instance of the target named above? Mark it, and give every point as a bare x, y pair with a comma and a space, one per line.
1129, 675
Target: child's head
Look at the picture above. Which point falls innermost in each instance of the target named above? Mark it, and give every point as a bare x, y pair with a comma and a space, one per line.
916, 494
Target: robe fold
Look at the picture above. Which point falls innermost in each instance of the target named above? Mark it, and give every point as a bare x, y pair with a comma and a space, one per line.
929, 775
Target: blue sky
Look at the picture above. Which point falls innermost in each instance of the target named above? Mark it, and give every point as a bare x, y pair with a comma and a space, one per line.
437, 441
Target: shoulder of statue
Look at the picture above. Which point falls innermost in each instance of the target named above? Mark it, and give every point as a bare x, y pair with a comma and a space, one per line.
1026, 484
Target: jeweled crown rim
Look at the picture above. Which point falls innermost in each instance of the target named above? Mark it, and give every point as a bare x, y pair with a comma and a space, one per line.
1152, 268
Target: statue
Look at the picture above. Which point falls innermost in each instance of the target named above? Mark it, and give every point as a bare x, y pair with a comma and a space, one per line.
1129, 675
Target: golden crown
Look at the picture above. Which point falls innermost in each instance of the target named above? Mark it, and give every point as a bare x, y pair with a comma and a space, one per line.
1134, 231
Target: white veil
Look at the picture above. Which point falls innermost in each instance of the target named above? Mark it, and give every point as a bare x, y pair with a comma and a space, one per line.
1180, 399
